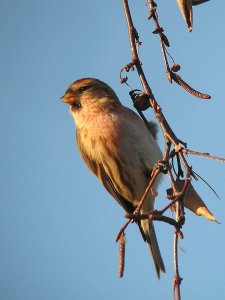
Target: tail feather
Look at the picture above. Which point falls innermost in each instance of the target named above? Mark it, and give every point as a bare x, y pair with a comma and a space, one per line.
149, 236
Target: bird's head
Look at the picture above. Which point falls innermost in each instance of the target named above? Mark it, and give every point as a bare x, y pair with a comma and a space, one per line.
88, 93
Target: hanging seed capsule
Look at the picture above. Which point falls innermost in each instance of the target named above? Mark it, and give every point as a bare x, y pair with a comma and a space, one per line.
141, 101
175, 68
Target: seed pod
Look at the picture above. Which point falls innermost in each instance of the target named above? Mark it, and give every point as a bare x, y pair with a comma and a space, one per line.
193, 201
141, 101
175, 68
186, 11
123, 79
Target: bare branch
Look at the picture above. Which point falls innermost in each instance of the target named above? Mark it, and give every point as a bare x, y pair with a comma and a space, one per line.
164, 42
174, 162
203, 154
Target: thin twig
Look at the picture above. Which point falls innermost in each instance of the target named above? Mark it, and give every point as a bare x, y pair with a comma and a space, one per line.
198, 176
178, 197
164, 42
122, 230
154, 216
154, 175
177, 278
203, 154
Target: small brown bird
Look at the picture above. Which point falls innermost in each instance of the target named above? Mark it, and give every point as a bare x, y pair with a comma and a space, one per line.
118, 148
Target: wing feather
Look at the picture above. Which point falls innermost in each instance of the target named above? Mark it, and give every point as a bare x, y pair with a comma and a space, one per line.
98, 169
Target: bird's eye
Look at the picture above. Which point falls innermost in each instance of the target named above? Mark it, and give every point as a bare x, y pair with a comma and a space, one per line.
83, 88
76, 104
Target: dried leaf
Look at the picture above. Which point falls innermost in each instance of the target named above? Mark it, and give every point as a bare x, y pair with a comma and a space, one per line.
186, 11
197, 2
150, 15
193, 201
165, 40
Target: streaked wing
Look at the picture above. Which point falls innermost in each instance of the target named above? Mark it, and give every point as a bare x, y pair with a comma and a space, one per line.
98, 169
107, 182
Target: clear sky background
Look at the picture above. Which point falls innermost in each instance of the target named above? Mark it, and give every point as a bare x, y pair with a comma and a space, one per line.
57, 223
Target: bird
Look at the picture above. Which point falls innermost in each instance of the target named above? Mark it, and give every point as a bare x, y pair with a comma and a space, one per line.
118, 148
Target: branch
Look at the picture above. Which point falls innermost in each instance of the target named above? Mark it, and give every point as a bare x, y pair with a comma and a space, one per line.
174, 147
203, 154
164, 42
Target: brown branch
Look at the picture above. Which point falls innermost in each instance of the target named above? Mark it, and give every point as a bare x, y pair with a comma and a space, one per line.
177, 279
167, 131
164, 42
154, 216
174, 147
154, 175
203, 154
122, 230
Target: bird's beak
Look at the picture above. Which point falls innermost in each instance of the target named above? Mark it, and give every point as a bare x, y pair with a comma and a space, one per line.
68, 98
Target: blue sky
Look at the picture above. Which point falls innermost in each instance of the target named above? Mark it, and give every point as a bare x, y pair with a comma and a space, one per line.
57, 223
